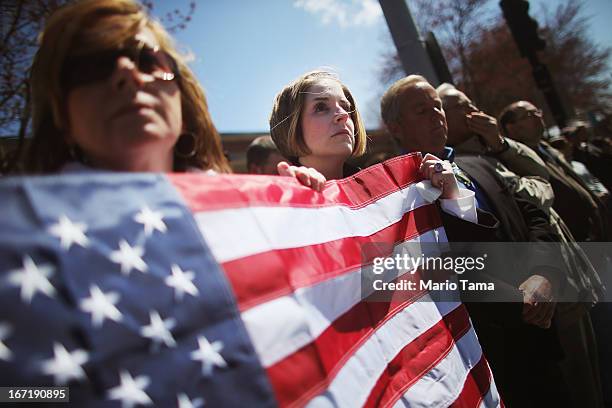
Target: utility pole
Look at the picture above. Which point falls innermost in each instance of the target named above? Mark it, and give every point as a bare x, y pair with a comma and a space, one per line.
410, 47
525, 32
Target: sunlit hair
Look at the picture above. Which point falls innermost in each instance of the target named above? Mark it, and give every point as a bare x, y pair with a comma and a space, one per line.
88, 26
509, 115
391, 102
285, 119
445, 89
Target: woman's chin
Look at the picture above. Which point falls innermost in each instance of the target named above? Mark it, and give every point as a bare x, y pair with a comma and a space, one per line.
146, 132
345, 152
347, 147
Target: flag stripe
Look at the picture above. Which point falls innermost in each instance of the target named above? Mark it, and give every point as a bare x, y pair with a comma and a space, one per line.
476, 386
239, 191
418, 357
316, 369
357, 377
284, 325
492, 398
345, 337
317, 225
442, 384
280, 272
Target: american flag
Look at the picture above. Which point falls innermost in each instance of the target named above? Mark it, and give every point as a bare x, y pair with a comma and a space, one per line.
193, 290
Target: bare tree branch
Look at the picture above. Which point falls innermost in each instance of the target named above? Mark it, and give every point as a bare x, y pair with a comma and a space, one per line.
23, 20
486, 64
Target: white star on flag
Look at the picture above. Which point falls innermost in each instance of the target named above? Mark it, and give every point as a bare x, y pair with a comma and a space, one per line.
159, 330
65, 366
152, 220
129, 257
32, 278
131, 390
5, 352
101, 305
181, 282
185, 402
69, 233
208, 354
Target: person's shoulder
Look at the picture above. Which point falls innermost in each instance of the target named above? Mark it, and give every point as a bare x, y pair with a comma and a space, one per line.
476, 160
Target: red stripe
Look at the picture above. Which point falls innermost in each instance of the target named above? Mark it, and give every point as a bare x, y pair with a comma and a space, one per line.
418, 358
476, 386
304, 374
308, 372
238, 191
275, 273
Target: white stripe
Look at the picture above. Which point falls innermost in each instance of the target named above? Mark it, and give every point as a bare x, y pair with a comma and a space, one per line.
441, 386
355, 380
282, 326
491, 399
316, 225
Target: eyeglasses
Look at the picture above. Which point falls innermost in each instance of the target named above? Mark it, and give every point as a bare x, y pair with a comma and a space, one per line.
530, 114
87, 69
462, 105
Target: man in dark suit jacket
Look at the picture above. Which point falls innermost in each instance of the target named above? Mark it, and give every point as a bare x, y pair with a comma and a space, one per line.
596, 159
584, 213
581, 210
522, 350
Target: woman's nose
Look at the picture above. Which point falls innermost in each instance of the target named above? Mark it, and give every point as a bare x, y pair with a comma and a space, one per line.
127, 73
341, 114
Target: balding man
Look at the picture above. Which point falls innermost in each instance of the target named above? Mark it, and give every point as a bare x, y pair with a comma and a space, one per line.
524, 354
472, 132
581, 210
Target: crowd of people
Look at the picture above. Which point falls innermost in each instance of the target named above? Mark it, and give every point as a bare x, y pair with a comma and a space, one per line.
110, 92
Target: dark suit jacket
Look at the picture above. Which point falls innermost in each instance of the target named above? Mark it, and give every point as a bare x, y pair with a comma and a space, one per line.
523, 357
520, 220
580, 209
597, 161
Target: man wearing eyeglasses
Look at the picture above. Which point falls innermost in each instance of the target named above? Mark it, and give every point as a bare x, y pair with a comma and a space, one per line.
516, 336
580, 209
474, 134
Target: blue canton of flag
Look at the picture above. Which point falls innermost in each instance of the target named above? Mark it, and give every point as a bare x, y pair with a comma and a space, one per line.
107, 286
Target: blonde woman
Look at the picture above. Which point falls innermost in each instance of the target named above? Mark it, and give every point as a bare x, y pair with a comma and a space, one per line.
315, 123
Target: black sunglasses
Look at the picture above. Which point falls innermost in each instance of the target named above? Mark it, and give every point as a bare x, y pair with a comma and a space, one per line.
87, 69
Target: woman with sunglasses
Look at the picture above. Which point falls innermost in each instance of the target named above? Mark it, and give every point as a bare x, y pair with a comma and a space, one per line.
110, 92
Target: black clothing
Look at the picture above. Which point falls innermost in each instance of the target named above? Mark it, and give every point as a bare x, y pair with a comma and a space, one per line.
523, 357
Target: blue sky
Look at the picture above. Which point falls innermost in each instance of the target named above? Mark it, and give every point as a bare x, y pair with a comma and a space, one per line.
245, 51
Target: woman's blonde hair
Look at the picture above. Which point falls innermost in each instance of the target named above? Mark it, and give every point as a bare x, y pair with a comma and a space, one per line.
88, 26
285, 119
